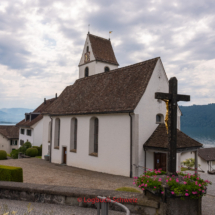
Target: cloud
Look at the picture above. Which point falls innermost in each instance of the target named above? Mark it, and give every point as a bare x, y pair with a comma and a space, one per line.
41, 43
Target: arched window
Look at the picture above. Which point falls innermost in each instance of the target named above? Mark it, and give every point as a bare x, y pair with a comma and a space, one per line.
107, 69
86, 72
159, 118
94, 136
73, 135
57, 133
87, 48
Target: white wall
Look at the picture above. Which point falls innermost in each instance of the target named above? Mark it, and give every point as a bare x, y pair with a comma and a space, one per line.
95, 67
113, 147
5, 144
46, 142
38, 133
25, 137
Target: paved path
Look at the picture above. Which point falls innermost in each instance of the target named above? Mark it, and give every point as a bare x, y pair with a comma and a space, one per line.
34, 208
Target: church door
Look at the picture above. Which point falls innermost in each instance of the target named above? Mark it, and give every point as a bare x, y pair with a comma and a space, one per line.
160, 161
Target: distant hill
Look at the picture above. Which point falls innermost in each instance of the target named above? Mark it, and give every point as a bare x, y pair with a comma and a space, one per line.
13, 114
198, 116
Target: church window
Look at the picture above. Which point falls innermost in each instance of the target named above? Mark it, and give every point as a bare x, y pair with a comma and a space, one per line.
107, 69
94, 136
87, 48
73, 135
86, 72
57, 134
159, 118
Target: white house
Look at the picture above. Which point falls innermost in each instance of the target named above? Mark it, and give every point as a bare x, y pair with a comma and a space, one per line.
31, 128
103, 121
9, 136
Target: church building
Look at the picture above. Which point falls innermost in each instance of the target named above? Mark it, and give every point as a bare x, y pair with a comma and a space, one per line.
109, 120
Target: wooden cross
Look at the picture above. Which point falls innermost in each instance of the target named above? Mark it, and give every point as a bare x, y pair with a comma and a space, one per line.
173, 98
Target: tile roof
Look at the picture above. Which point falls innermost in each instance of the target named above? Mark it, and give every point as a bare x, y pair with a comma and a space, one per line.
9, 131
39, 109
102, 49
207, 154
119, 90
159, 139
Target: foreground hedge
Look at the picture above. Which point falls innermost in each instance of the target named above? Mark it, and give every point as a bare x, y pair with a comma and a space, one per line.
10, 173
32, 152
3, 155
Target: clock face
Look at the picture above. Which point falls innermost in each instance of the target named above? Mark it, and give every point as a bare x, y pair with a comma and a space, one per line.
87, 57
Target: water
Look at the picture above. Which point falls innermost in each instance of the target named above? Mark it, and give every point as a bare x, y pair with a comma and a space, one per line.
7, 123
206, 136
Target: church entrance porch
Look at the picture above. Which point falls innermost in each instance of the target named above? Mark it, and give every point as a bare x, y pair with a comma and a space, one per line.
160, 161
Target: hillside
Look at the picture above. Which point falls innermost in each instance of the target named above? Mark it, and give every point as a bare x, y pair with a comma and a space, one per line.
13, 114
198, 116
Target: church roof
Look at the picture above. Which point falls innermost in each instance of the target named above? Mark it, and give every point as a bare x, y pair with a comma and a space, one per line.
117, 91
38, 110
207, 154
9, 131
159, 139
102, 49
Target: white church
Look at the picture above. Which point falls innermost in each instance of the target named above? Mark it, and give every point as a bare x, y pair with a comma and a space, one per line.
109, 120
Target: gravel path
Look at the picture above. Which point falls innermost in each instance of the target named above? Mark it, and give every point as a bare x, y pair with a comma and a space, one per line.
38, 171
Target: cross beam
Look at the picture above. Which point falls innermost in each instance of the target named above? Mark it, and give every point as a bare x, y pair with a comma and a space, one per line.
173, 98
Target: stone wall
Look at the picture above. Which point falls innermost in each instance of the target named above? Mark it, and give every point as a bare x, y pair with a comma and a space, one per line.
70, 195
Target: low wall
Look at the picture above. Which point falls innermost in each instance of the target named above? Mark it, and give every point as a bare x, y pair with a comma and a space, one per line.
70, 196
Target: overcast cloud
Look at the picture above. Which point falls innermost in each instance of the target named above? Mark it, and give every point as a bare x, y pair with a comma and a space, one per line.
41, 42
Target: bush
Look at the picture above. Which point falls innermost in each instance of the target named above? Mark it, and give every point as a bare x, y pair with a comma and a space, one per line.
3, 155
39, 150
14, 154
22, 149
27, 145
9, 173
32, 152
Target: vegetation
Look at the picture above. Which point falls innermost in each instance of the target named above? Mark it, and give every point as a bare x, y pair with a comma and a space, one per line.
14, 154
9, 173
189, 163
32, 152
39, 148
3, 155
198, 116
40, 157
128, 189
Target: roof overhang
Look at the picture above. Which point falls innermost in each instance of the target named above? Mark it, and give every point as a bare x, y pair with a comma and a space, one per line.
179, 150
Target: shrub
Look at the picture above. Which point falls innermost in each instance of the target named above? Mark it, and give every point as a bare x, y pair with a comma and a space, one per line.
3, 155
32, 152
14, 154
22, 149
27, 145
9, 173
39, 150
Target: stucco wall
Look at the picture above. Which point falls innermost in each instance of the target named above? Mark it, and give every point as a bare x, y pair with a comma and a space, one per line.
38, 133
25, 137
113, 144
5, 144
46, 142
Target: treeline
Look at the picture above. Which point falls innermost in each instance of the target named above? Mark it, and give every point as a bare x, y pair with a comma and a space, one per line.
198, 116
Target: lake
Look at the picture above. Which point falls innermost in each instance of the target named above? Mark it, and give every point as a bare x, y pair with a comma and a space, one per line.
206, 136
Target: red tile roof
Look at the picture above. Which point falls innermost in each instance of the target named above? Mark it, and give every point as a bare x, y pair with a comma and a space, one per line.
9, 131
207, 154
102, 49
116, 91
39, 109
159, 139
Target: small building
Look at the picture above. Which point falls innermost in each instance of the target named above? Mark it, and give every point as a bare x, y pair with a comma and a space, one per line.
9, 136
31, 128
206, 158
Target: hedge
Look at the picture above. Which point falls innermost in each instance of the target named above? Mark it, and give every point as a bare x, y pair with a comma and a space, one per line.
9, 173
32, 152
3, 155
14, 154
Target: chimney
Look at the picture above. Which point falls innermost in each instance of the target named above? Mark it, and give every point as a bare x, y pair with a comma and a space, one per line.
44, 101
56, 95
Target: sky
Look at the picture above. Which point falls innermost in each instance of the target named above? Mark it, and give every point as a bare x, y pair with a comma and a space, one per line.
41, 42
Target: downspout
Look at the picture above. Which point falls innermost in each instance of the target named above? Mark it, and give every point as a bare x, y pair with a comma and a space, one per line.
131, 130
51, 141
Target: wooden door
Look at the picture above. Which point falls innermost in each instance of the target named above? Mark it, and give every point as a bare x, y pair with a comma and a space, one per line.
64, 155
160, 161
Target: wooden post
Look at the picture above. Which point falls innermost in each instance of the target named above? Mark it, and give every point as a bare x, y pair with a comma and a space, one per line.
196, 162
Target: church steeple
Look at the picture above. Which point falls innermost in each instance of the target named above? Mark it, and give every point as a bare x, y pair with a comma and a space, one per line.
97, 57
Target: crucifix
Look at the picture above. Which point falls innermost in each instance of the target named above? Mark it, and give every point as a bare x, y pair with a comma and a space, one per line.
172, 97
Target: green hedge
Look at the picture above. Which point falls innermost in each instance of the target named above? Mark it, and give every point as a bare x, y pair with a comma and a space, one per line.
39, 150
3, 155
9, 173
32, 152
14, 154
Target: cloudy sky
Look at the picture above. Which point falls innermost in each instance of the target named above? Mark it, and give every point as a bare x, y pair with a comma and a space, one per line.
41, 42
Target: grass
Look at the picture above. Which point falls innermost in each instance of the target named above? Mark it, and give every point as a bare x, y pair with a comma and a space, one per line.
185, 169
8, 155
128, 189
39, 157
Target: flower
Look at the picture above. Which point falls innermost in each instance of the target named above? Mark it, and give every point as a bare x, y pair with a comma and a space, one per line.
162, 192
186, 194
143, 189
134, 183
200, 190
155, 187
145, 185
200, 185
160, 179
166, 180
170, 179
172, 193
203, 191
194, 192
185, 182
